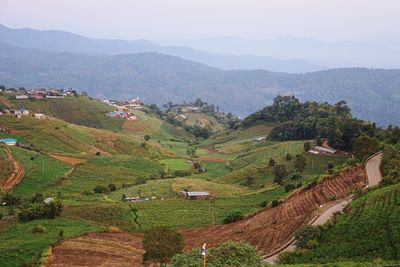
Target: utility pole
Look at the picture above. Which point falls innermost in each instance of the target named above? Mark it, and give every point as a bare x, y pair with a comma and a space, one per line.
203, 252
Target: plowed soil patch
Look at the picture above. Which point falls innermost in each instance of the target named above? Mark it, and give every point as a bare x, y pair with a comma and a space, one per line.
68, 160
268, 230
100, 249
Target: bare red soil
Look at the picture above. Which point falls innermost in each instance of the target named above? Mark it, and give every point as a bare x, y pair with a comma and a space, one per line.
100, 249
268, 230
16, 175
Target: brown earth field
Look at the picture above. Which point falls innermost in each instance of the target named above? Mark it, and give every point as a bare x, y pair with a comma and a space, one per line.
268, 230
68, 160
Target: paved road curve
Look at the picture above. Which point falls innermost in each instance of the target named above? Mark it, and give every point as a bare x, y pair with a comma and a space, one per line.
372, 166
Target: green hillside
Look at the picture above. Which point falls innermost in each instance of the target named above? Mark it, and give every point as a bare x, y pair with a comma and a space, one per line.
92, 171
77, 110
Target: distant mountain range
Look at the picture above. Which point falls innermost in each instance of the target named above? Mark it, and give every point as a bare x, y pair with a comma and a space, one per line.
372, 94
373, 53
60, 41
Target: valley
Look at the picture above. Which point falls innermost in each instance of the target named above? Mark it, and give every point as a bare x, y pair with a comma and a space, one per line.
94, 165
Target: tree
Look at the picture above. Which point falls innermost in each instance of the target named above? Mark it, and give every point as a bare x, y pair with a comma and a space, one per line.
100, 189
306, 233
279, 172
364, 146
300, 163
288, 156
161, 244
146, 137
307, 146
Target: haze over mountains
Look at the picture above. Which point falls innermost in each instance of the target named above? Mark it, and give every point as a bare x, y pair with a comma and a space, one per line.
60, 41
85, 64
375, 53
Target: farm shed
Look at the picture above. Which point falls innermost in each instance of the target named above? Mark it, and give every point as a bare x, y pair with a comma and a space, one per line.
197, 195
9, 141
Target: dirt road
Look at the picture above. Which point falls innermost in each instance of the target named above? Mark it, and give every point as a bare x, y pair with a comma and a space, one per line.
372, 166
17, 174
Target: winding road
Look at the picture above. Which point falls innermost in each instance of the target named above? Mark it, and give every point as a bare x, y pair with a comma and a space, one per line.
374, 177
372, 166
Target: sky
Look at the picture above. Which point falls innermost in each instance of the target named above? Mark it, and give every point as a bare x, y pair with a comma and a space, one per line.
331, 20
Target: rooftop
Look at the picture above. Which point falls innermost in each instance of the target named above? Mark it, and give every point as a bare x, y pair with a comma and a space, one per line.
197, 194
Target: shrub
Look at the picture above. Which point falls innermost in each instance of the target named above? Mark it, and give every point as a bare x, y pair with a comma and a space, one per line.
271, 162
275, 203
181, 173
233, 217
61, 235
146, 137
296, 176
112, 187
289, 187
263, 204
87, 193
100, 189
39, 229
311, 244
288, 156
306, 233
330, 165
279, 172
248, 181
161, 244
98, 153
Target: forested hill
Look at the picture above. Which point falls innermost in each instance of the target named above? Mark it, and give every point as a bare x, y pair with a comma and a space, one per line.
295, 120
372, 94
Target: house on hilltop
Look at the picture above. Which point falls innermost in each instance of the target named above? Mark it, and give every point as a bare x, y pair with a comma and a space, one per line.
135, 103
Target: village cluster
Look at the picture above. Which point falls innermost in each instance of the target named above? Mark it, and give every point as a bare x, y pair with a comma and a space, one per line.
124, 110
42, 93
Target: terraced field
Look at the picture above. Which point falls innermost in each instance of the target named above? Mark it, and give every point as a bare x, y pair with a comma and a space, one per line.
267, 230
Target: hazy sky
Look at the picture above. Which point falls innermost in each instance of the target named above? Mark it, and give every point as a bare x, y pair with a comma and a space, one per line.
258, 19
